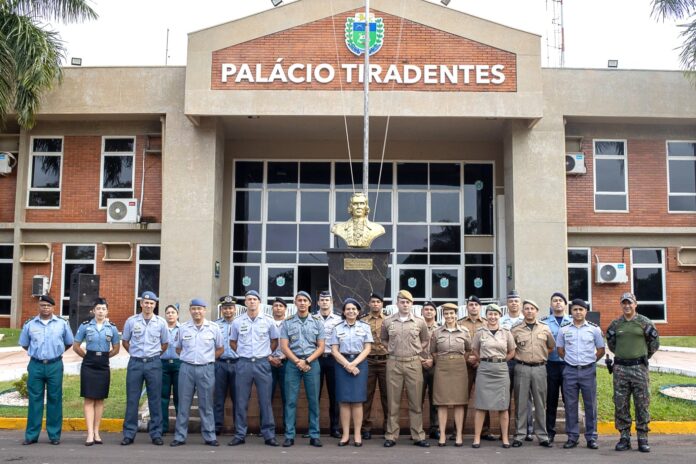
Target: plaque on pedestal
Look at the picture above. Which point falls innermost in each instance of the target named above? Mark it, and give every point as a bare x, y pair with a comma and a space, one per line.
357, 273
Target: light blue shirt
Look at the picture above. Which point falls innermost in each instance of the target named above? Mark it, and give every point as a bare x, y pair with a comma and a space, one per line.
97, 339
303, 335
198, 343
580, 343
45, 341
226, 330
506, 322
351, 339
278, 353
331, 321
253, 336
554, 326
146, 338
173, 337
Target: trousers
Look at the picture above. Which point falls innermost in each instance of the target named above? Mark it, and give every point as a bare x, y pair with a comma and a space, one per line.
376, 374
46, 378
575, 382
170, 386
257, 372
192, 379
530, 381
311, 379
149, 372
408, 374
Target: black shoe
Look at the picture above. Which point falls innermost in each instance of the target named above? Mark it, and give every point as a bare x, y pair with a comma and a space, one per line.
592, 444
476, 445
623, 445
236, 442
643, 446
126, 441
551, 438
157, 441
212, 443
315, 442
176, 443
98, 442
55, 441
29, 442
442, 444
529, 437
389, 443
516, 443
336, 434
89, 443
489, 437
546, 444
271, 442
288, 443
570, 444
357, 444
505, 445
421, 443
344, 443
367, 435
435, 435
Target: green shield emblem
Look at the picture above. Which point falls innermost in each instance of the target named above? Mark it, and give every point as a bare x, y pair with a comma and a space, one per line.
355, 30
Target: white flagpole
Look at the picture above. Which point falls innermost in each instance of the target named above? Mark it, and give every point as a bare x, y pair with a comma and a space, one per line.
366, 92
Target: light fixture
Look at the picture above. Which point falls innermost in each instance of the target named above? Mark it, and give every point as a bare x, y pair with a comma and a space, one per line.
445, 2
76, 61
613, 64
276, 2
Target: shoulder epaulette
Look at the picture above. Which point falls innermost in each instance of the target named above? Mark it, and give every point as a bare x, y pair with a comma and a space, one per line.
543, 321
88, 321
565, 323
28, 321
592, 323
517, 323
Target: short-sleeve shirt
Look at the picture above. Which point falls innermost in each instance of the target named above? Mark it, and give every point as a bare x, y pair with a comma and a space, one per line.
253, 336
472, 324
532, 344
446, 341
173, 338
97, 339
405, 338
303, 335
330, 321
45, 341
375, 322
146, 338
278, 353
198, 343
507, 321
553, 324
226, 330
580, 343
492, 345
351, 339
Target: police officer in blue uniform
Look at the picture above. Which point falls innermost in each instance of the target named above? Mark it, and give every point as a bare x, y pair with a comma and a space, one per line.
330, 319
145, 338
170, 365
254, 337
278, 359
225, 365
45, 338
200, 343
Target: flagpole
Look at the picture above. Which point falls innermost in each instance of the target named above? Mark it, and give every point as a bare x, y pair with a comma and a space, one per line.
366, 96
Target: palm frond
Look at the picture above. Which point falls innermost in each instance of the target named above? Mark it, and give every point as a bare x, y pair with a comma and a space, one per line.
66, 11
687, 55
664, 9
7, 77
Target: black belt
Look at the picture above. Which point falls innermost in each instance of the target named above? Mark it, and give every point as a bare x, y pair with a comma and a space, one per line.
493, 360
350, 355
378, 357
150, 359
228, 360
260, 358
543, 363
47, 361
629, 362
586, 366
98, 353
169, 361
326, 355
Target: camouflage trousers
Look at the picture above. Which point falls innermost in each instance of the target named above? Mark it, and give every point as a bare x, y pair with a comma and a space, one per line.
631, 381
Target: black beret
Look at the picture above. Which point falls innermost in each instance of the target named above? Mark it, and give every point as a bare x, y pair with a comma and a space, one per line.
378, 296
281, 301
47, 299
578, 302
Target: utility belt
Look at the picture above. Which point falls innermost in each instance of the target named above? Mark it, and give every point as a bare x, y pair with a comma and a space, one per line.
631, 362
543, 363
47, 361
493, 360
97, 353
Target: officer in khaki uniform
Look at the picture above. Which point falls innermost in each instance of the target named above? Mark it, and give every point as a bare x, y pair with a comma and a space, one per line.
407, 340
376, 366
534, 342
429, 314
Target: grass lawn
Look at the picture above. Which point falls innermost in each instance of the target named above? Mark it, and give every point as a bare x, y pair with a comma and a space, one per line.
662, 408
114, 405
688, 342
11, 337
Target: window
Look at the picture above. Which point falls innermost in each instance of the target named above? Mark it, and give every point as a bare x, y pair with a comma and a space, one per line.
648, 269
148, 274
117, 173
579, 284
610, 175
5, 279
681, 168
77, 259
479, 275
45, 172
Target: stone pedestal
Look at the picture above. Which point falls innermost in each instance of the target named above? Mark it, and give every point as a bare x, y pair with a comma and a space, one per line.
357, 273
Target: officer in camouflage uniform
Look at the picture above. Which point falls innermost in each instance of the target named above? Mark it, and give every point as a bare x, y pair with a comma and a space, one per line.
633, 339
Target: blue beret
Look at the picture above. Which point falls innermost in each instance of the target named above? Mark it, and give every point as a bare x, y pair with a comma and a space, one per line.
352, 301
148, 295
198, 302
325, 294
253, 293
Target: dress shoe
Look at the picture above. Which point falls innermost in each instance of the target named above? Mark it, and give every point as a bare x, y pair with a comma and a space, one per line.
551, 438
476, 445
55, 441
643, 446
29, 442
592, 444
529, 437
98, 442
367, 435
489, 437
212, 443
434, 434
505, 445
89, 443
126, 441
516, 443
357, 444
570, 444
336, 434
271, 442
176, 443
315, 442
344, 443
442, 444
157, 441
389, 443
545, 444
288, 443
421, 443
623, 445
236, 441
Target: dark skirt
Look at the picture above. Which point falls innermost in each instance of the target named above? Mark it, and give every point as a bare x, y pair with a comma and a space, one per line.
351, 388
95, 376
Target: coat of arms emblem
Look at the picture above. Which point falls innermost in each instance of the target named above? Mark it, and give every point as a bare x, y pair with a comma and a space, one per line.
355, 34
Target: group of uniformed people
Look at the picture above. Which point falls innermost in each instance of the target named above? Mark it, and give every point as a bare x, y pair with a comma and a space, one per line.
504, 354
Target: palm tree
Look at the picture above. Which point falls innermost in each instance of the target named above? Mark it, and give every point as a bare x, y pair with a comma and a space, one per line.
681, 9
30, 53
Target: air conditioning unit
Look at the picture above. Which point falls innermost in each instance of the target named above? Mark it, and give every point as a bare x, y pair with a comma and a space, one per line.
611, 273
39, 285
122, 210
7, 162
575, 163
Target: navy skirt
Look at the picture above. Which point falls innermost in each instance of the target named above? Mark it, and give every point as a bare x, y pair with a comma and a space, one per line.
351, 388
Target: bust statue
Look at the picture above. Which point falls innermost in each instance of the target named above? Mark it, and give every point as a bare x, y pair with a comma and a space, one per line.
358, 231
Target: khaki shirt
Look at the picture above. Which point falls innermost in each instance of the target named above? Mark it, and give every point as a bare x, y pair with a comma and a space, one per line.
375, 323
533, 344
444, 342
471, 324
407, 338
493, 346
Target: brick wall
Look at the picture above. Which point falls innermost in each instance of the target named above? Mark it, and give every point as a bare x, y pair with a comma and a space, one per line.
316, 43
8, 187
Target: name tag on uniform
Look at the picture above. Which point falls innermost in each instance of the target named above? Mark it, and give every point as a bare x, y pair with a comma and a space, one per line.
138, 328
187, 337
360, 332
341, 335
244, 329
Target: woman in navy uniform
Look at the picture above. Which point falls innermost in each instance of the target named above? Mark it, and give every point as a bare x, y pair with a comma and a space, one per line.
170, 365
102, 342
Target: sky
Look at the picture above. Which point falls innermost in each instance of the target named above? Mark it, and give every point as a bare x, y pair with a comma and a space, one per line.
134, 32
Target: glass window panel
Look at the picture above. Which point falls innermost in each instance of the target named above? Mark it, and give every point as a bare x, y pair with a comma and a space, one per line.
65, 308
343, 177
73, 269
247, 206
478, 280
5, 307
314, 206
445, 176
281, 237
412, 239
247, 237
647, 284
281, 282
413, 206
413, 280
445, 284
384, 241
445, 259
282, 206
106, 195
387, 291
381, 206
478, 258
656, 312
312, 258
578, 283
248, 174
412, 175
609, 148
119, 145
386, 180
5, 251
682, 203
610, 175
681, 148
245, 278
44, 198
682, 176
118, 172
445, 239
647, 256
315, 175
342, 201
148, 278
412, 259
150, 253
478, 199
578, 256
246, 257
45, 172
5, 279
314, 237
281, 258
610, 202
444, 207
82, 252
48, 145
282, 175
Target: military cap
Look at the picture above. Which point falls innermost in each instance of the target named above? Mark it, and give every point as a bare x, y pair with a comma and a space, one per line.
198, 302
148, 295
47, 299
406, 295
578, 302
228, 300
628, 296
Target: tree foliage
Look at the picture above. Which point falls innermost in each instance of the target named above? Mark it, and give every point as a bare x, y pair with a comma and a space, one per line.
680, 9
